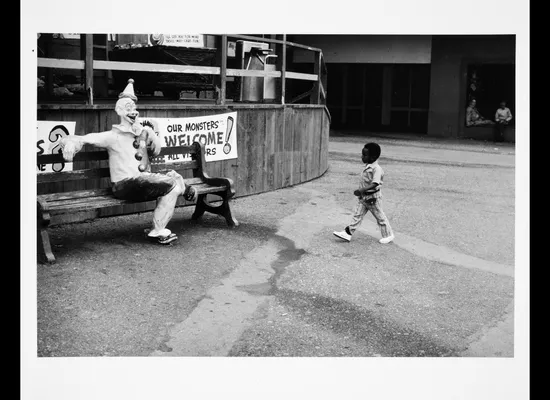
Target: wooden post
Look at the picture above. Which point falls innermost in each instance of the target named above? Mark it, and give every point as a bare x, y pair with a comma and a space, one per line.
49, 71
283, 71
315, 97
89, 67
324, 79
223, 70
280, 51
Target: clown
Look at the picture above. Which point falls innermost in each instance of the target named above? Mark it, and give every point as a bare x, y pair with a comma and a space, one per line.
130, 145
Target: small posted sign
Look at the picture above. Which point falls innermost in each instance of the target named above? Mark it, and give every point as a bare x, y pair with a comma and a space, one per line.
163, 39
49, 134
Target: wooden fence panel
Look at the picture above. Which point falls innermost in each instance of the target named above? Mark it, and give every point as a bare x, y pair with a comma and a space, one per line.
278, 146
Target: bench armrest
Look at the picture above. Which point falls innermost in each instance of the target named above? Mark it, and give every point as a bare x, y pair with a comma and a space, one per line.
199, 155
227, 182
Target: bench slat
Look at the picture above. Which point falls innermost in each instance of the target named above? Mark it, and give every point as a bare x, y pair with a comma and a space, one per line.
179, 150
90, 205
204, 188
92, 196
180, 165
76, 194
94, 203
90, 201
94, 173
101, 198
96, 155
98, 192
81, 156
81, 174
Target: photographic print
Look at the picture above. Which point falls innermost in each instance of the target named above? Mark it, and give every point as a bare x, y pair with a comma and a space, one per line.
319, 198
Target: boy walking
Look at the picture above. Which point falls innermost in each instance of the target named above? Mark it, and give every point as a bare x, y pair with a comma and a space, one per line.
369, 196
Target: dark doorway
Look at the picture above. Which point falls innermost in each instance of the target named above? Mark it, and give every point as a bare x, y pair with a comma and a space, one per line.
490, 84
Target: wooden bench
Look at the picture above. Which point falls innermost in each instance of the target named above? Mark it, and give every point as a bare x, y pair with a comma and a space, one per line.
58, 206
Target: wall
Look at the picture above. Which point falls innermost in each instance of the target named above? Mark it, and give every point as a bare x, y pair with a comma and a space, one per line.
278, 146
450, 58
384, 49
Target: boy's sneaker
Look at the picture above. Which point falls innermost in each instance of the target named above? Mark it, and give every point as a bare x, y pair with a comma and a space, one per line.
343, 235
387, 239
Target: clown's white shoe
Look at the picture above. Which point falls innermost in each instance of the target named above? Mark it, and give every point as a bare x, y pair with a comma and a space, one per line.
162, 236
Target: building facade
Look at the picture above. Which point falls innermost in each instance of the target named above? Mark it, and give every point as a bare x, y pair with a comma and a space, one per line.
415, 83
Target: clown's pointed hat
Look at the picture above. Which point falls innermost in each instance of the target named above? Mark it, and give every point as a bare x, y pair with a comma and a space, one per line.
129, 91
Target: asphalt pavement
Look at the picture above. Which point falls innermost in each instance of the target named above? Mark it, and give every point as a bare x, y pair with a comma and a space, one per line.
281, 285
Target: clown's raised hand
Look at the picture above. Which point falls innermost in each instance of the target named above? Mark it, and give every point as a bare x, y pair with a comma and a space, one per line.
153, 142
70, 145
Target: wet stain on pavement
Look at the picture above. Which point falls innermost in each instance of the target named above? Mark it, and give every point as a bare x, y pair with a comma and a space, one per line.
286, 256
363, 326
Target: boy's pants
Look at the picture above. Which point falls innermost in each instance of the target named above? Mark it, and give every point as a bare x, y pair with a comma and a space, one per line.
375, 207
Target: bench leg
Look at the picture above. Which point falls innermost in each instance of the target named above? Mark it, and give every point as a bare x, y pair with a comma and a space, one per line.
226, 212
200, 208
223, 209
44, 247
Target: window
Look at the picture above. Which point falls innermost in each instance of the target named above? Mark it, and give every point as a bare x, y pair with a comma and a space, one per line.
410, 97
57, 83
68, 85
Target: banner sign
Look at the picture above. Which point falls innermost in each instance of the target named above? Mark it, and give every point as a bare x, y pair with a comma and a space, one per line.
49, 134
162, 39
217, 132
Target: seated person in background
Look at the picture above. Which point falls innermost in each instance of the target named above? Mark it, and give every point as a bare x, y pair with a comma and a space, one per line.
503, 116
474, 118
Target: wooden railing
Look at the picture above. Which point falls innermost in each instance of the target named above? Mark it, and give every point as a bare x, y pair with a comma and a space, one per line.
317, 94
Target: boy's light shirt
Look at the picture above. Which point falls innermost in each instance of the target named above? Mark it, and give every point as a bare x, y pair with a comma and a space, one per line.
372, 173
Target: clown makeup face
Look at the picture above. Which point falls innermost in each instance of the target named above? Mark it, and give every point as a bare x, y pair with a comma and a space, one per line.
126, 109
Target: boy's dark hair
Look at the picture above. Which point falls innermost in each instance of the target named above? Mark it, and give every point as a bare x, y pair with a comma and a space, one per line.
374, 150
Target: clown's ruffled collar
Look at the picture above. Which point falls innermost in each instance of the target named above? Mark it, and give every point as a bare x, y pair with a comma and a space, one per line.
133, 129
